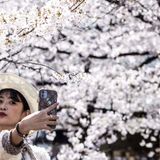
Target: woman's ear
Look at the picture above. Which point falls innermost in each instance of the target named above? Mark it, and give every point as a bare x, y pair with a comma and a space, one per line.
25, 113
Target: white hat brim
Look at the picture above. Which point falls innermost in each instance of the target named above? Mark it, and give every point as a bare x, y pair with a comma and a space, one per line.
12, 81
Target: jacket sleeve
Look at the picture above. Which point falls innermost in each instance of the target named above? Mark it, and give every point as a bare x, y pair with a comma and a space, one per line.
7, 149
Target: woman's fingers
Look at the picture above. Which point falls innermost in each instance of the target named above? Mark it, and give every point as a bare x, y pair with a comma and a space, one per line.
52, 123
50, 108
50, 126
52, 117
41, 119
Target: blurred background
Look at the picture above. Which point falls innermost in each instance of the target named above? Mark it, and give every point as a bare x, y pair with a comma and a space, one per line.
102, 57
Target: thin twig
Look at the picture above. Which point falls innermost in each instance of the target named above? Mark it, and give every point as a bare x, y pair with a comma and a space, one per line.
31, 62
76, 5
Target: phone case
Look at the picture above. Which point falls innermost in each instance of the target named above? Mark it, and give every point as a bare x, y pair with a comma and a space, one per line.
47, 98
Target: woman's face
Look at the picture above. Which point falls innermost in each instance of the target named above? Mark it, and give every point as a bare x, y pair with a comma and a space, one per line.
11, 112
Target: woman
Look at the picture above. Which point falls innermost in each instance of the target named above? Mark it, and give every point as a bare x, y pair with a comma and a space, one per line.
18, 116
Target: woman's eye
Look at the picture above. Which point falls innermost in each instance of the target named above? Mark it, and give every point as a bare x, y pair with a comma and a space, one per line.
12, 102
1, 101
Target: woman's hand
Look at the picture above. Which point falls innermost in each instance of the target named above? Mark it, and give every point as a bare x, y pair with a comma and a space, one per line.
39, 120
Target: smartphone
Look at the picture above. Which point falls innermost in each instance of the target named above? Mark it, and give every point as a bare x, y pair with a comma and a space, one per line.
47, 98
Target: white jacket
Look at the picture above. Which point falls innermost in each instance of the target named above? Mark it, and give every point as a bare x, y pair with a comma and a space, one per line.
24, 152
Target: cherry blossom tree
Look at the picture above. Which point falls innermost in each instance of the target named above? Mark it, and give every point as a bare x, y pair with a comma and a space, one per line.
102, 57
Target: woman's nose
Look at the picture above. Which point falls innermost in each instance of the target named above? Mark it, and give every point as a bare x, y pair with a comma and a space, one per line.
3, 107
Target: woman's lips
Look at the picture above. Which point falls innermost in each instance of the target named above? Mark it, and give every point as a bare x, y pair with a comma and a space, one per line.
2, 114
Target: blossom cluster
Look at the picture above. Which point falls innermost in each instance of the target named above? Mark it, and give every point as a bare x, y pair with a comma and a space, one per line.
35, 20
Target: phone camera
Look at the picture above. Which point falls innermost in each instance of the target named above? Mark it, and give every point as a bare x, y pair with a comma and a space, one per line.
44, 94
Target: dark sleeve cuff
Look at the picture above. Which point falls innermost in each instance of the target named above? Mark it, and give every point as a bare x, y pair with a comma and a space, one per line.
9, 146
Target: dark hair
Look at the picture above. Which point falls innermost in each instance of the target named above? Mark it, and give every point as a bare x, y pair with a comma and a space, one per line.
17, 97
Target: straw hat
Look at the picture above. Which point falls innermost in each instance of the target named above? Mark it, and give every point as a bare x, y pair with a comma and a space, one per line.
12, 81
